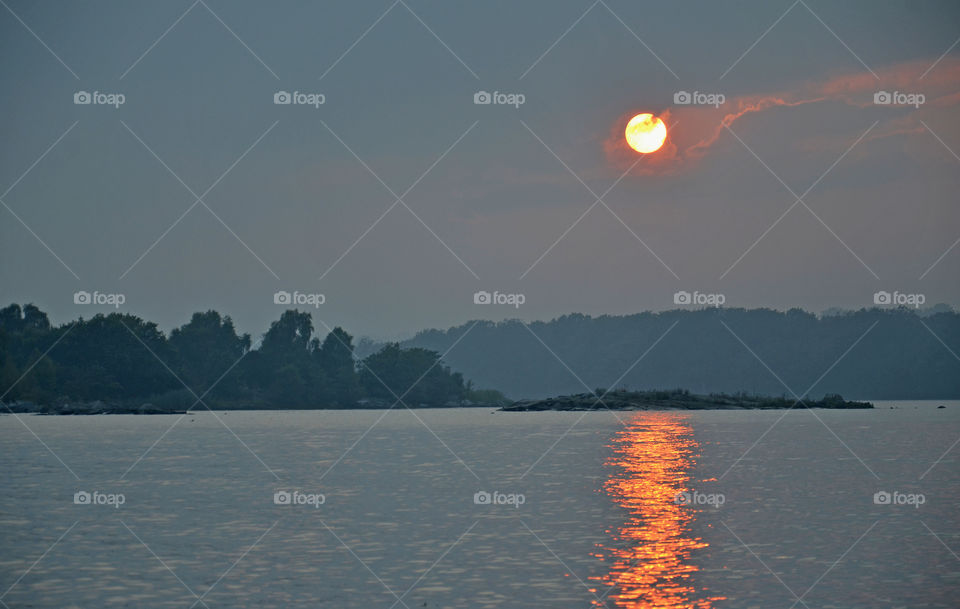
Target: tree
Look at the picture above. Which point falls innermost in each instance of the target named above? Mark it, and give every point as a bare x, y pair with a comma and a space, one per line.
9, 374
112, 356
415, 375
335, 358
205, 349
289, 337
283, 368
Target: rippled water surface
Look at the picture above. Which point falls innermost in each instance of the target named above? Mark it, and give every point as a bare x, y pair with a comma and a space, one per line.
653, 509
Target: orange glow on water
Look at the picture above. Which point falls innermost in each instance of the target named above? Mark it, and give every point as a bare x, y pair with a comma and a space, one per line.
649, 555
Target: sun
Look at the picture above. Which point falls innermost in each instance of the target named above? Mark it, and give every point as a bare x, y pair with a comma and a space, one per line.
645, 133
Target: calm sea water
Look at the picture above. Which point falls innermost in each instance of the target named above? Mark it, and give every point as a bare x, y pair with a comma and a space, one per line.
468, 508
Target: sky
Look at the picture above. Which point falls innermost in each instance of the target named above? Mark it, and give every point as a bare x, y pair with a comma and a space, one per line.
398, 198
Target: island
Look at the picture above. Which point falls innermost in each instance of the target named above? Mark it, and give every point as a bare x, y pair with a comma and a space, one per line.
677, 399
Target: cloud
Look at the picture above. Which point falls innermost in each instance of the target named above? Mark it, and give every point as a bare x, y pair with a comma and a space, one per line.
686, 142
744, 106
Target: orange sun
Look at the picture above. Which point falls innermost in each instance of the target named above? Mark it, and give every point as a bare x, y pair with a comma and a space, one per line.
645, 133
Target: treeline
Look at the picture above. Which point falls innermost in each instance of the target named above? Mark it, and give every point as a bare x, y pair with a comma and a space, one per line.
893, 353
123, 359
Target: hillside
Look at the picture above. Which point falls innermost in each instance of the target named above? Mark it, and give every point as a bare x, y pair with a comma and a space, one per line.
866, 354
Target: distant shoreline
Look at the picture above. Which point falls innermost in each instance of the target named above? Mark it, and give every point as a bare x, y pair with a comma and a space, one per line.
100, 408
622, 400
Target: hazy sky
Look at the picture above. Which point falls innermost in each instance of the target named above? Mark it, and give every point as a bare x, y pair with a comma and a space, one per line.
199, 87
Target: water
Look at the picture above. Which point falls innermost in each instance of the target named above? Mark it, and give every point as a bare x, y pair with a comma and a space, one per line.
599, 523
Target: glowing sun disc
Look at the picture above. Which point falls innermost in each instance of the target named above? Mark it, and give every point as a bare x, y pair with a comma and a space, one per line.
645, 133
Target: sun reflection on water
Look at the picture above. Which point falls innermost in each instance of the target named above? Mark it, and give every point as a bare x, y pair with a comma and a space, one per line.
648, 557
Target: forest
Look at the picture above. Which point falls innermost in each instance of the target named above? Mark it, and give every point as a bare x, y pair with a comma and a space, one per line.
868, 354
122, 360
125, 361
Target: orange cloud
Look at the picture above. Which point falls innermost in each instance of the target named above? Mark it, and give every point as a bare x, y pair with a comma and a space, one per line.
745, 106
938, 86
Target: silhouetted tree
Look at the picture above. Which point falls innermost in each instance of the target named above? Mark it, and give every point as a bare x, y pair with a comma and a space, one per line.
207, 348
335, 358
415, 375
112, 356
283, 368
